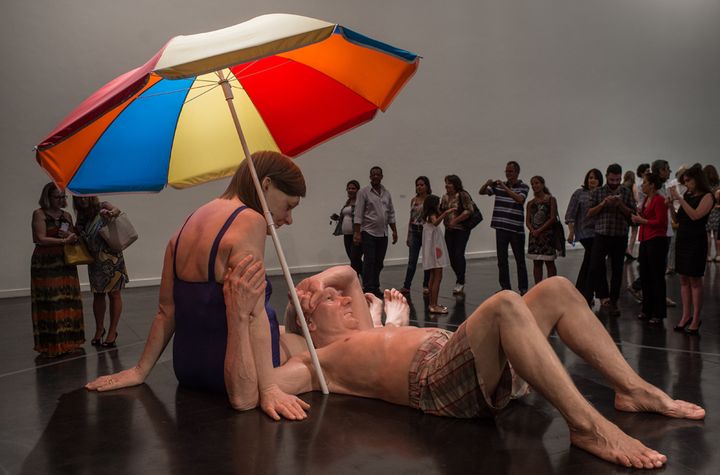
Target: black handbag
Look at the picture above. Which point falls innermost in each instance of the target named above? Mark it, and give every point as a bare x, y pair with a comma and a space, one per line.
475, 217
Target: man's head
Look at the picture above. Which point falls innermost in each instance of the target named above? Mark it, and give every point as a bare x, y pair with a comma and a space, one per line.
661, 168
613, 176
331, 318
376, 176
512, 171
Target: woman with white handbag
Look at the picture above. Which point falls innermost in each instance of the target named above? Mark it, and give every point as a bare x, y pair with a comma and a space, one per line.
107, 273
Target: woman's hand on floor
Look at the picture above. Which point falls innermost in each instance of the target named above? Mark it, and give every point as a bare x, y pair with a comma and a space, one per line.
123, 379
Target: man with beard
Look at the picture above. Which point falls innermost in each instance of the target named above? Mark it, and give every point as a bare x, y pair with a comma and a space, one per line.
611, 205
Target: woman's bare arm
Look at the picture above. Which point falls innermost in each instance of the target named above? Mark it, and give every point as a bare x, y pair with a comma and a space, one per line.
162, 329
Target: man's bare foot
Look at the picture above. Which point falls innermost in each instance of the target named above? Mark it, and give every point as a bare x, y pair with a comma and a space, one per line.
397, 310
652, 399
609, 443
375, 307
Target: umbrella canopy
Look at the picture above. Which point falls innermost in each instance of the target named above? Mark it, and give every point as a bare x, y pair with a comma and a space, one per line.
297, 82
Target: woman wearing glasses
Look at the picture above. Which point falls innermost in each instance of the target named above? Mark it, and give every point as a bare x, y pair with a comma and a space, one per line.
57, 313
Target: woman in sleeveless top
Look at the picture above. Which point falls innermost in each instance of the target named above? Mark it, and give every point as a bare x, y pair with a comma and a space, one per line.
691, 244
57, 313
225, 233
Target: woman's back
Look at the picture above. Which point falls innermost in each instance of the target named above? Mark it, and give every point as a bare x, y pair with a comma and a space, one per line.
246, 234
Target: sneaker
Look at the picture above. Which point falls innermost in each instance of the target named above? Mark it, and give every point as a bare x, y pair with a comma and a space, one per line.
669, 271
458, 289
637, 294
669, 302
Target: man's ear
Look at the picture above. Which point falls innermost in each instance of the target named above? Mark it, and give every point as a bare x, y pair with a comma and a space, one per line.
310, 323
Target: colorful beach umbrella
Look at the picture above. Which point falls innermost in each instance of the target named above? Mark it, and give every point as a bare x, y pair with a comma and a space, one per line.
296, 81
285, 82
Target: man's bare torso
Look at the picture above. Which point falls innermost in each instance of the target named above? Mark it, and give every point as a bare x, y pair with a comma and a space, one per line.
372, 363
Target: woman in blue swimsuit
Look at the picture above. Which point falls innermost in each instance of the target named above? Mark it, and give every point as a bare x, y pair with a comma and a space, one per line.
207, 351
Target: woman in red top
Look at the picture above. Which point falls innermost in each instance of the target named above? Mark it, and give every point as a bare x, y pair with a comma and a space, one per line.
653, 221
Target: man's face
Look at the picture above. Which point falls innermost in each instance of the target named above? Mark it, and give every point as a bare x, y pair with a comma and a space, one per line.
613, 180
511, 172
333, 314
664, 172
376, 177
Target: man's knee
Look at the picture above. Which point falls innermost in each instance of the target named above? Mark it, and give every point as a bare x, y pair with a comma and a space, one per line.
507, 304
557, 288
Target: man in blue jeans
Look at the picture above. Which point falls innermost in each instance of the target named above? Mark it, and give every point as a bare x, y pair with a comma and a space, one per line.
374, 211
508, 220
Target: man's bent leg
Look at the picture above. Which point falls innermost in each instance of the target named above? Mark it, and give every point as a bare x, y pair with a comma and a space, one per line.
556, 303
504, 327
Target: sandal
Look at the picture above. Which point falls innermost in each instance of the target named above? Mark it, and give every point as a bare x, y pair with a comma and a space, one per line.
438, 309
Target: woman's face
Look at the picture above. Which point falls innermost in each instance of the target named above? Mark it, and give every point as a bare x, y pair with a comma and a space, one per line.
450, 188
351, 190
646, 187
593, 181
82, 202
690, 184
420, 188
280, 205
58, 199
537, 185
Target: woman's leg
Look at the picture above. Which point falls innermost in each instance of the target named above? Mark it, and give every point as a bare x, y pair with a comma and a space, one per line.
686, 296
538, 271
551, 268
415, 239
99, 314
463, 238
584, 282
115, 311
434, 285
696, 291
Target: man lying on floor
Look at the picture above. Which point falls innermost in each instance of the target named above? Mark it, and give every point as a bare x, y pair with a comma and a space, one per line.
463, 374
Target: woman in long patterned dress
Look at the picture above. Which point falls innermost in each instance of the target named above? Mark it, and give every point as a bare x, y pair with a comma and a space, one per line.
107, 273
57, 313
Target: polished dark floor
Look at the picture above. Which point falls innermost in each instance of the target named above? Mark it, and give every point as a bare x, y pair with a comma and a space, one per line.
50, 424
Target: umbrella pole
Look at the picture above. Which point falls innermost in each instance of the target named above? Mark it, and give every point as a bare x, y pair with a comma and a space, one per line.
271, 224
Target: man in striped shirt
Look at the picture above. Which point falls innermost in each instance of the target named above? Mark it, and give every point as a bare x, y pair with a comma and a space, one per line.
508, 220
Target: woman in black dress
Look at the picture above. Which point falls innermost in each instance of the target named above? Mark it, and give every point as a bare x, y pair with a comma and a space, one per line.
691, 244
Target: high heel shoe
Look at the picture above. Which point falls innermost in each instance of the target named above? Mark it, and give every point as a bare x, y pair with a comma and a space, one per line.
110, 344
694, 332
98, 341
681, 328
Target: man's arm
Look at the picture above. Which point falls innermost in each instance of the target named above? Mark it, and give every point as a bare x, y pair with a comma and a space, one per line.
345, 280
596, 205
518, 197
391, 218
486, 189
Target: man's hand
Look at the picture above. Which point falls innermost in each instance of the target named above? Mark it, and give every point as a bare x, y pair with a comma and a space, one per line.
394, 236
357, 238
571, 237
123, 379
243, 286
276, 404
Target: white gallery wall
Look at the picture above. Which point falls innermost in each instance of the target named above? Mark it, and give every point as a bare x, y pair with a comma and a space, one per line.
560, 86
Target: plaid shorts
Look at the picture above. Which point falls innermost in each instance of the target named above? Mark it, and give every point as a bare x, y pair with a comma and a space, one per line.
443, 380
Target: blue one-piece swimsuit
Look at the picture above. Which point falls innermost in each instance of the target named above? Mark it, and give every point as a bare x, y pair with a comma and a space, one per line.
201, 325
